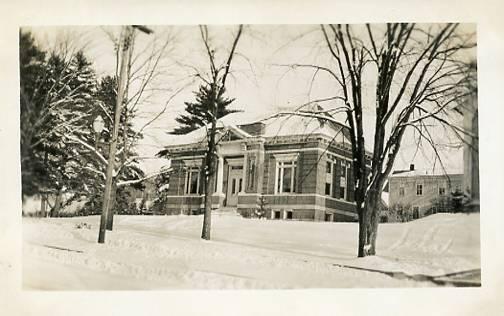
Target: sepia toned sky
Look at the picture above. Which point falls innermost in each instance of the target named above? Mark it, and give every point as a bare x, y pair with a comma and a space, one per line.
261, 81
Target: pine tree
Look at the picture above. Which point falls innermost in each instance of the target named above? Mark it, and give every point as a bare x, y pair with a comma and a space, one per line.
105, 96
56, 101
60, 98
31, 69
198, 112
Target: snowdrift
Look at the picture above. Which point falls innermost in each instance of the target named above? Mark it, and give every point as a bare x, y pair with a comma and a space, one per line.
165, 252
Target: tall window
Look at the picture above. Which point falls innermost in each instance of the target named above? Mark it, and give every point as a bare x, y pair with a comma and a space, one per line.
343, 168
192, 181
286, 177
252, 173
419, 189
401, 189
442, 190
329, 176
343, 181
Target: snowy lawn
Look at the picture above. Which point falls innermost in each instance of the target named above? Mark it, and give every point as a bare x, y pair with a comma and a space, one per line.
165, 252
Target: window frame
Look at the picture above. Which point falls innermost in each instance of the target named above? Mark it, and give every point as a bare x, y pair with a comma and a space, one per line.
402, 191
344, 178
283, 162
281, 166
338, 189
188, 181
251, 173
344, 166
419, 185
329, 177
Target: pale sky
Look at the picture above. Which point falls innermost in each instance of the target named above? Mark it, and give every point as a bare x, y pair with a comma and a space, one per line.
259, 83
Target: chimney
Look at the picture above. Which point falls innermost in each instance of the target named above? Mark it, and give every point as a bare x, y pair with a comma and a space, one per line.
411, 167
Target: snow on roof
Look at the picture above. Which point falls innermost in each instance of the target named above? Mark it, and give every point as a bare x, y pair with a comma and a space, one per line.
297, 125
273, 127
419, 173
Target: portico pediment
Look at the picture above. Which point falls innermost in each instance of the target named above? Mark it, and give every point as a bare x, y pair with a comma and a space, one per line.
232, 133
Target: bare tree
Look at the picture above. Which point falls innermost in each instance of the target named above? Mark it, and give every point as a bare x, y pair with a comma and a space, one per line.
146, 70
419, 73
147, 66
216, 79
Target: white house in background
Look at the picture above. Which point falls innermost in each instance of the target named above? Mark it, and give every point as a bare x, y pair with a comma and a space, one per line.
415, 190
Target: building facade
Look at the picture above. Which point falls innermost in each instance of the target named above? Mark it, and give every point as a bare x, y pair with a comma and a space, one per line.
294, 168
469, 110
419, 192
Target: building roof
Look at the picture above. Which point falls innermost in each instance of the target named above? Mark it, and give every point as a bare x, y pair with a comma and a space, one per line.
423, 173
273, 127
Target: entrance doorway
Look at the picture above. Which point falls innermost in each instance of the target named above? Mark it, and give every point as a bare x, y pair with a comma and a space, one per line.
234, 185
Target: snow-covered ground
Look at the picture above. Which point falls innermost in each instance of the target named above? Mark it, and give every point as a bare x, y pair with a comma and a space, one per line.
165, 252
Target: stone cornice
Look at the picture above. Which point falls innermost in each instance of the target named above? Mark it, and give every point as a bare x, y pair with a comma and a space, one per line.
202, 146
276, 140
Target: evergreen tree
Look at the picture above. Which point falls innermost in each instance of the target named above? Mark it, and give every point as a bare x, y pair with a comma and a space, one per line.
55, 96
31, 69
161, 184
105, 98
60, 98
106, 95
198, 112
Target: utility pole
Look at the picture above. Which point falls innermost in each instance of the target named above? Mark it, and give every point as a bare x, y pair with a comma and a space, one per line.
125, 46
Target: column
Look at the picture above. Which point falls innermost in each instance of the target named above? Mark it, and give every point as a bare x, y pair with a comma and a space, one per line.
245, 166
260, 169
220, 175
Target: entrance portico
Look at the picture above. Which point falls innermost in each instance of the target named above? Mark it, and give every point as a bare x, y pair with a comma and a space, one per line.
231, 173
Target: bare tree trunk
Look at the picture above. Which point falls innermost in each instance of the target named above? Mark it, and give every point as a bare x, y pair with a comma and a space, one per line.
43, 204
372, 225
209, 168
207, 217
113, 203
57, 204
218, 83
362, 231
374, 234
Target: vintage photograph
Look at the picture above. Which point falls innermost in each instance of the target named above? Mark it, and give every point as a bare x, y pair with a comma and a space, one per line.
161, 157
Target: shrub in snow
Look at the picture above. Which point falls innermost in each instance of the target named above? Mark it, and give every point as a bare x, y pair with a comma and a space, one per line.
261, 211
458, 199
441, 204
452, 203
82, 225
247, 213
398, 213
